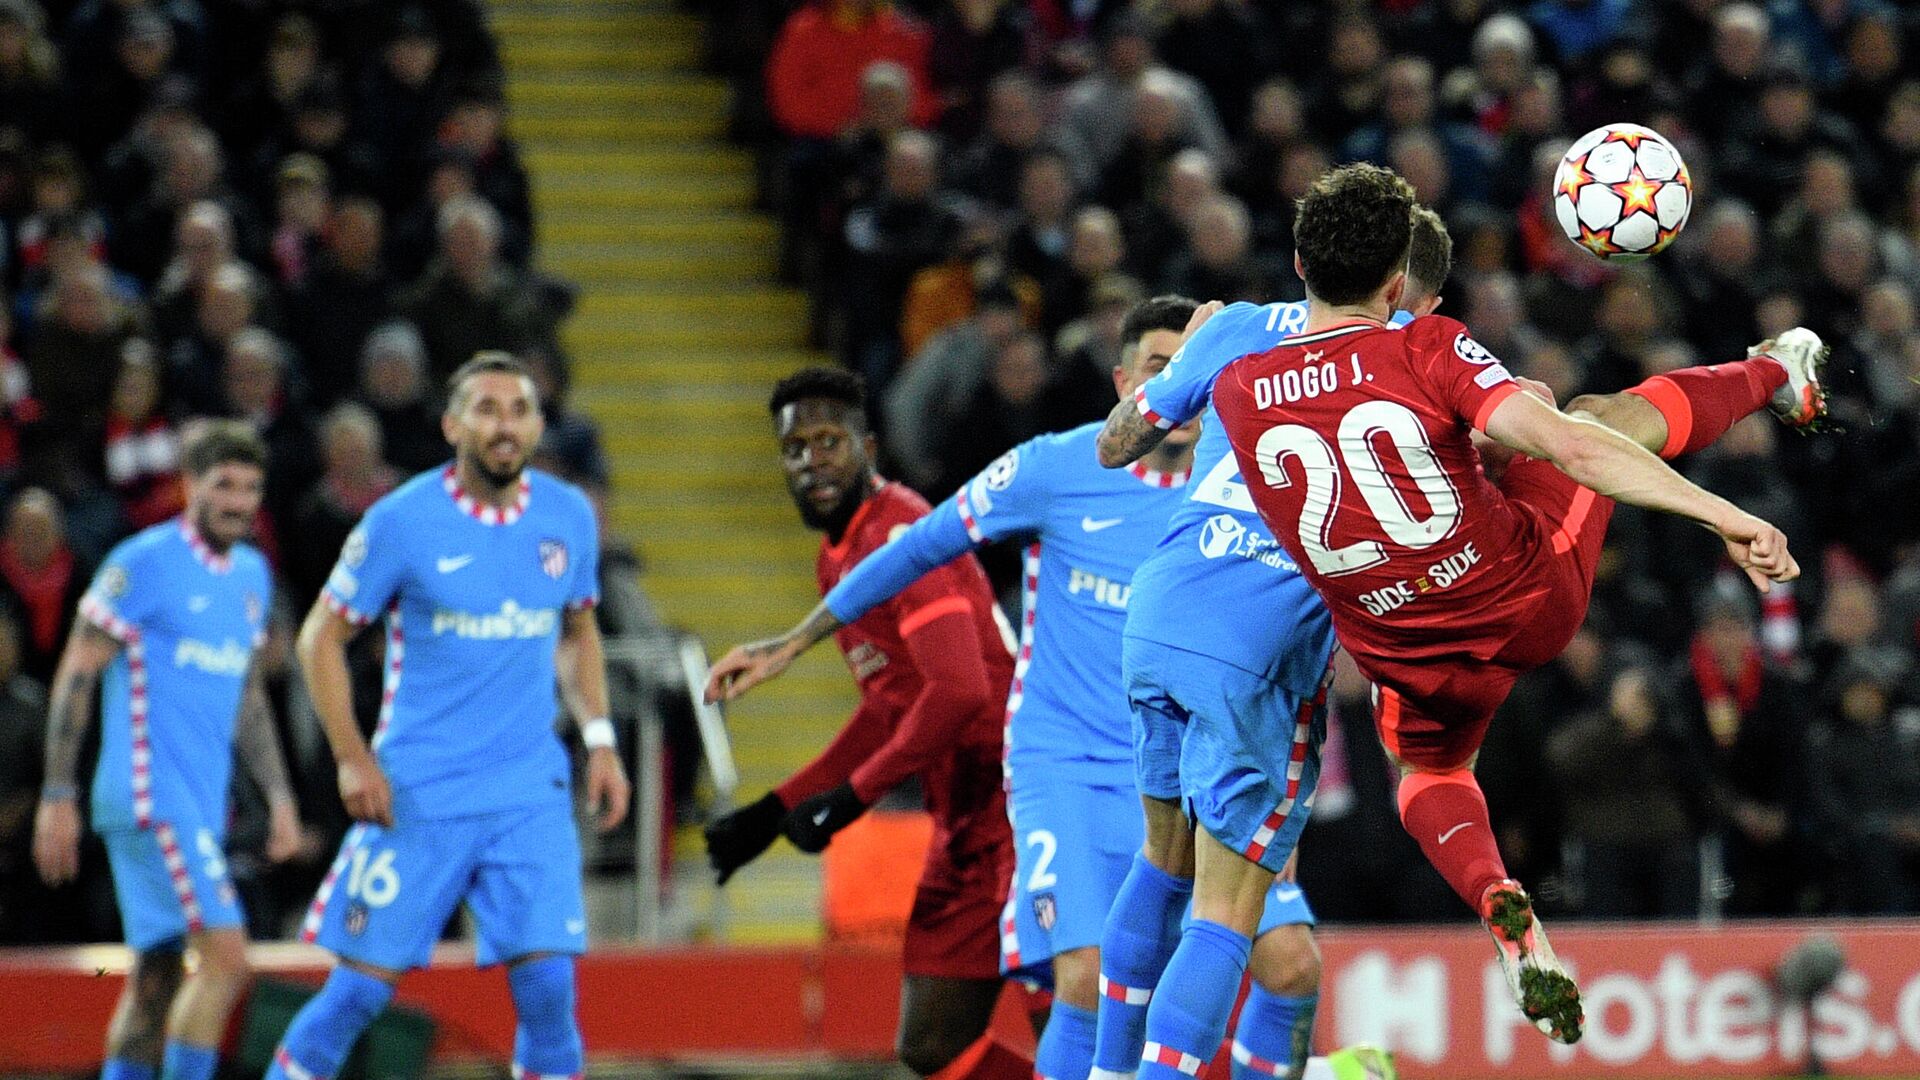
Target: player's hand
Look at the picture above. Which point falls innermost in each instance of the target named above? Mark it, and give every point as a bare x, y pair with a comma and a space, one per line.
1537, 389
1759, 549
56, 840
747, 666
365, 792
608, 792
814, 822
284, 835
740, 837
1200, 316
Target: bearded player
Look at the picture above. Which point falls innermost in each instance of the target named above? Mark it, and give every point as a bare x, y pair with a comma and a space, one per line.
932, 664
1357, 445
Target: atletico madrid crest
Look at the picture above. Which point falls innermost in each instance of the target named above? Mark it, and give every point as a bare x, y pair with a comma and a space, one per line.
1044, 911
553, 558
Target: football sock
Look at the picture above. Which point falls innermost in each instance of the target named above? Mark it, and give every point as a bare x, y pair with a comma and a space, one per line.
119, 1068
1274, 1034
1066, 1047
1701, 403
1447, 815
1143, 929
325, 1029
1189, 1017
547, 1041
185, 1061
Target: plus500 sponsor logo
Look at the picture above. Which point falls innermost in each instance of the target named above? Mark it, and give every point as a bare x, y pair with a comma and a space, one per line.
1113, 594
228, 658
1455, 1017
512, 622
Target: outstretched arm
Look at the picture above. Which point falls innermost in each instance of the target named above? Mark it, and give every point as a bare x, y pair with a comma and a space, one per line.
76, 686
1611, 464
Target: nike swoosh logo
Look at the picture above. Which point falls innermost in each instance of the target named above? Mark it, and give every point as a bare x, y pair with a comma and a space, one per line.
1286, 896
1090, 525
821, 817
198, 603
576, 926
1448, 835
449, 565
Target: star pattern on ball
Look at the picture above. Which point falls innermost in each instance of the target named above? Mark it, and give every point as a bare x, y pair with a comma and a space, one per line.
1598, 243
1632, 138
1577, 177
1636, 192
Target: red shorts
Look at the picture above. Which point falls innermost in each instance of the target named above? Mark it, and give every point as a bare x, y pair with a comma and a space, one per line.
1434, 712
953, 931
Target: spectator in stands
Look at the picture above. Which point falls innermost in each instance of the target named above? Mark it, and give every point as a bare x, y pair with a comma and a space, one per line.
137, 158
108, 100
1276, 126
910, 225
1038, 247
143, 448
814, 70
992, 166
1744, 722
1227, 47
1157, 227
1346, 93
1723, 87
971, 44
1575, 28
40, 578
1766, 152
301, 205
1098, 248
858, 164
1865, 775
570, 447
468, 299
940, 381
225, 305
1723, 278
254, 389
72, 360
26, 910
29, 71
1408, 105
1503, 65
475, 126
1219, 260
1634, 311
1098, 112
946, 292
1629, 804
346, 294
400, 99
356, 474
320, 126
265, 101
1154, 137
63, 244
1871, 74
1004, 411
393, 383
192, 173
202, 246
1085, 352
1499, 319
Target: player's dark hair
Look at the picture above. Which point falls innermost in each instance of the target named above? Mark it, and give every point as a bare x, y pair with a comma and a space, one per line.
1351, 230
1430, 256
1157, 313
211, 443
832, 383
484, 362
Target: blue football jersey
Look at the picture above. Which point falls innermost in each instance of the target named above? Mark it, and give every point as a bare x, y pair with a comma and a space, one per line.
188, 621
1219, 584
1090, 527
473, 598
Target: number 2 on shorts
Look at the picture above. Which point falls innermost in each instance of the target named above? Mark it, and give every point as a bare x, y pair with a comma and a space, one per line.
1042, 877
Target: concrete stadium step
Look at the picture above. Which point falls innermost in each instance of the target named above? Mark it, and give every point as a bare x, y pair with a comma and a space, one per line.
558, 55
678, 95
617, 129
659, 158
634, 340
592, 23
587, 190
591, 225
640, 262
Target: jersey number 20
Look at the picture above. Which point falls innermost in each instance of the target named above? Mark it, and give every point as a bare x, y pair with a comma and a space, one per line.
1358, 429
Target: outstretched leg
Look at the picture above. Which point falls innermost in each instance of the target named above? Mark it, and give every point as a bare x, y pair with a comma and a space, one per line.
1685, 411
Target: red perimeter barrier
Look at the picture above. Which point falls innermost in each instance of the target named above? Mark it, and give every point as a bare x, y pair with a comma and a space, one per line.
1661, 1002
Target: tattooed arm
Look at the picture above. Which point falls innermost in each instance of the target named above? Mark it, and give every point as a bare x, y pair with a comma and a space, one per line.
76, 686
747, 666
1128, 436
258, 739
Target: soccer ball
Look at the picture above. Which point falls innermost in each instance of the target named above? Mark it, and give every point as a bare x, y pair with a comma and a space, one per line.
1622, 192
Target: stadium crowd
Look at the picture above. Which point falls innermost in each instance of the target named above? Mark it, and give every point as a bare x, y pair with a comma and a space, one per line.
302, 215
975, 191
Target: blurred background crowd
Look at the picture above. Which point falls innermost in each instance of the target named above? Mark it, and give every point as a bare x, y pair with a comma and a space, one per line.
974, 191
304, 214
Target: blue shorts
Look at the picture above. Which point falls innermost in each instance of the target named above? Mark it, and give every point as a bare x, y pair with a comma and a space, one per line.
1073, 843
391, 891
1249, 749
171, 881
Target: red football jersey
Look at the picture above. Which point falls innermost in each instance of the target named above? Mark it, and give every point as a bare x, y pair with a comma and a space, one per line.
1355, 445
967, 777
